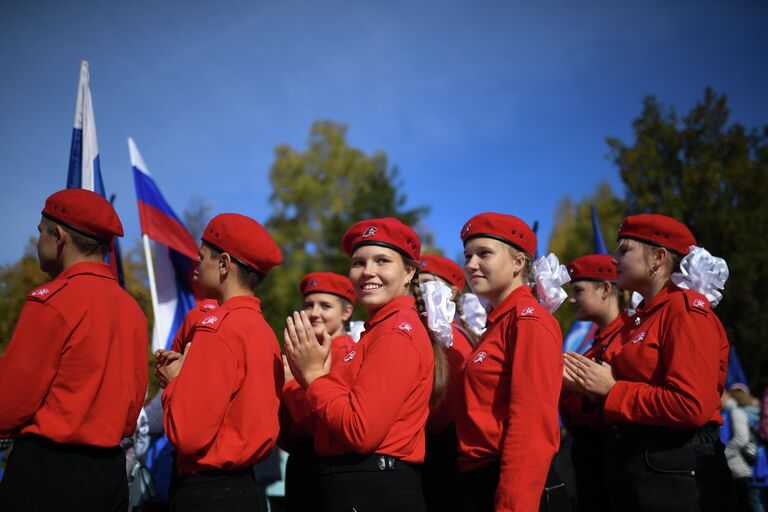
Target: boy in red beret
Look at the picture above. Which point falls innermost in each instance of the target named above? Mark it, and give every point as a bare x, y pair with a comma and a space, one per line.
74, 375
223, 392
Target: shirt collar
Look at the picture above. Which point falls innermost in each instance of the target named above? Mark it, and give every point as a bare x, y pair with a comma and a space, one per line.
243, 301
663, 296
509, 303
609, 330
95, 268
396, 304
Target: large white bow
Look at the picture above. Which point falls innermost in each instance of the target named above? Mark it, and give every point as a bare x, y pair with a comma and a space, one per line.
440, 311
703, 273
475, 314
356, 328
550, 277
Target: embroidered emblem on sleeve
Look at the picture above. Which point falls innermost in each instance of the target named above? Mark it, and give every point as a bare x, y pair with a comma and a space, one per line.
640, 337
41, 292
405, 326
350, 356
479, 357
210, 320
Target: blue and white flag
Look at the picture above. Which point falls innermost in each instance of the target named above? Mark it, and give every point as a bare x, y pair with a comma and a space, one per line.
84, 169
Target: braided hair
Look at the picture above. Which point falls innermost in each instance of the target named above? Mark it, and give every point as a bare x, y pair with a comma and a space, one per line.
440, 379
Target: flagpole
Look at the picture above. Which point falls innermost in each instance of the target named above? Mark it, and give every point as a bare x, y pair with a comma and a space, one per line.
151, 278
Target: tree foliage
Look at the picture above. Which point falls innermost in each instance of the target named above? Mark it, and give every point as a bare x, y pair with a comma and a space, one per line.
16, 280
713, 176
317, 194
573, 236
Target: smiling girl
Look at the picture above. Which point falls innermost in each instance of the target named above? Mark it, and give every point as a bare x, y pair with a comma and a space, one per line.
371, 408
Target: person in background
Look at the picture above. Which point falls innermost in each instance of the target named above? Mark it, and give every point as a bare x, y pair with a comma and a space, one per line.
595, 298
328, 302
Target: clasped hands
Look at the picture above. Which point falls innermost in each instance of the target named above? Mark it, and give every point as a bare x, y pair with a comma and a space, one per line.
587, 377
168, 364
308, 358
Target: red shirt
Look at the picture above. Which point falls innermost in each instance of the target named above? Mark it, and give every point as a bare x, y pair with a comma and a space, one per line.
221, 410
446, 412
671, 369
75, 370
296, 418
512, 382
184, 334
575, 409
377, 399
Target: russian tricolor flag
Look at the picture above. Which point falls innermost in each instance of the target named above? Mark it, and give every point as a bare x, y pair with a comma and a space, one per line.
582, 333
84, 169
175, 253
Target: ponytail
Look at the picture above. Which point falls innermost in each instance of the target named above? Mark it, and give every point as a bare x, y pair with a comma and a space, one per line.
440, 380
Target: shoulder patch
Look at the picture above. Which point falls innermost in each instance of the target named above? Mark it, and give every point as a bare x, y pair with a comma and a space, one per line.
213, 320
405, 322
696, 302
526, 309
46, 291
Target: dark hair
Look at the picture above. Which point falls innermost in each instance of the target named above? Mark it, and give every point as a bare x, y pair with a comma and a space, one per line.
87, 245
674, 257
440, 376
247, 277
624, 297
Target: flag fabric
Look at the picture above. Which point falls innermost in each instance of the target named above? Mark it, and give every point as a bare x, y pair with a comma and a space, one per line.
84, 168
581, 335
174, 253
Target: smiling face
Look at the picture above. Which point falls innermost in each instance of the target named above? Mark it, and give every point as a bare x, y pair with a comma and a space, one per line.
493, 268
327, 312
378, 275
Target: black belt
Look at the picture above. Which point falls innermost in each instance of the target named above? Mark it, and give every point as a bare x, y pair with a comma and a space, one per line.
80, 449
376, 461
655, 433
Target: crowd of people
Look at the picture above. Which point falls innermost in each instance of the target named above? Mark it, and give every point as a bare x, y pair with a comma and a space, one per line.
446, 401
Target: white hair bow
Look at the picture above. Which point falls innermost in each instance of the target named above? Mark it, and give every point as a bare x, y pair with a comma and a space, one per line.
475, 313
440, 311
702, 273
550, 277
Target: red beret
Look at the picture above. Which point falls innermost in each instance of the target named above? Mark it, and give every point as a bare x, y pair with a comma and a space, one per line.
658, 230
506, 228
244, 239
593, 267
84, 211
386, 232
443, 268
327, 282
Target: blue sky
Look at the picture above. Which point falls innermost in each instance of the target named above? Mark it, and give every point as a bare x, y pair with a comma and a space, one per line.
500, 106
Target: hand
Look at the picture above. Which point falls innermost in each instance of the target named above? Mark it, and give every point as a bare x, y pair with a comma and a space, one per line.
306, 355
287, 370
595, 378
172, 363
568, 383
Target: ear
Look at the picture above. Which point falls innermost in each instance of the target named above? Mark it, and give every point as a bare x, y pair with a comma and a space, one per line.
225, 264
409, 273
605, 289
346, 312
59, 234
518, 260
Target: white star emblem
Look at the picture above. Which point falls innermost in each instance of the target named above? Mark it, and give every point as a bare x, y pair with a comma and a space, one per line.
210, 320
41, 292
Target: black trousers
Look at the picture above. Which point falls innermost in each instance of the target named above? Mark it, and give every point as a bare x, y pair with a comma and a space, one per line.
440, 477
655, 469
42, 475
301, 492
220, 491
482, 482
369, 483
587, 453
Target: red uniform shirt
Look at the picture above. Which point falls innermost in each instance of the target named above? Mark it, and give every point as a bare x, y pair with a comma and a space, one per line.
671, 369
75, 370
184, 334
296, 418
377, 399
445, 414
575, 409
512, 382
221, 410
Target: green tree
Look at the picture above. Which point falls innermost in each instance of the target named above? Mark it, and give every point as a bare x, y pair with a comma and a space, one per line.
712, 175
573, 237
16, 280
316, 195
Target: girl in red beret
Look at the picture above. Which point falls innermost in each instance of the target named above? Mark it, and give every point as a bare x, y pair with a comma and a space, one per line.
661, 393
372, 407
328, 303
440, 473
596, 298
508, 431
